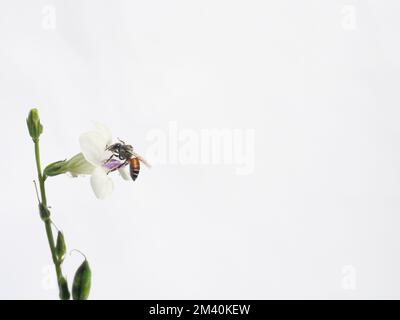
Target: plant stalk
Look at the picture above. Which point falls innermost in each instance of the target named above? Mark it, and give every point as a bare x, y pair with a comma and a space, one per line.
47, 222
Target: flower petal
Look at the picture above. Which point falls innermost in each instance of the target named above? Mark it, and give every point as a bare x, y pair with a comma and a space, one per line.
105, 132
93, 145
112, 164
124, 173
102, 185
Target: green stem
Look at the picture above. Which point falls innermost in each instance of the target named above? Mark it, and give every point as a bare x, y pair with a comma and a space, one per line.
47, 222
39, 173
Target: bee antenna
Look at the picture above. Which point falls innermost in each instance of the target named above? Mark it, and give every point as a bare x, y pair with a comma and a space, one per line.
120, 140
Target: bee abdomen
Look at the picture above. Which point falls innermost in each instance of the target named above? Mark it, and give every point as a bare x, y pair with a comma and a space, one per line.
134, 168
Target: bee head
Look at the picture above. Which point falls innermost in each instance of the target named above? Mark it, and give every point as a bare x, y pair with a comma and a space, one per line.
114, 147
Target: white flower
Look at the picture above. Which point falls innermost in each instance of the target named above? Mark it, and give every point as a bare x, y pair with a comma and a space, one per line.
78, 165
93, 146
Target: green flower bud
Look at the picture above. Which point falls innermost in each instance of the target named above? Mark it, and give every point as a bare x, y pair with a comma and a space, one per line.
63, 286
44, 212
82, 282
35, 128
78, 165
61, 248
56, 168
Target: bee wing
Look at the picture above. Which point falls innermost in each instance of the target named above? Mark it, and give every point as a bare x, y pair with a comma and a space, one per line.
142, 159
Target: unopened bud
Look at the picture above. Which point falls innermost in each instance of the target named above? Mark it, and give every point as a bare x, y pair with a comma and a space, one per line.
61, 248
35, 128
82, 282
55, 168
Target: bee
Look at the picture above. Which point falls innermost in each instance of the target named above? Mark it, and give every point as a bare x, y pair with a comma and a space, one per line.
125, 153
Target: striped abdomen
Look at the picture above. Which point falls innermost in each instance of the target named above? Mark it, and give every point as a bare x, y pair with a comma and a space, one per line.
134, 168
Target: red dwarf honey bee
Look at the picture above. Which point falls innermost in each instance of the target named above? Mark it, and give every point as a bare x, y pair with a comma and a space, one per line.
125, 153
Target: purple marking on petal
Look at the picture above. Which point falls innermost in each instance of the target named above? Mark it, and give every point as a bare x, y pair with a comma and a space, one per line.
112, 164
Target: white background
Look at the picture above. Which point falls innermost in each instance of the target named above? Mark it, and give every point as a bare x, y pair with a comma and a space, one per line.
318, 81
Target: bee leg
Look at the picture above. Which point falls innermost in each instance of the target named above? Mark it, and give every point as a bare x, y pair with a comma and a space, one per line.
112, 156
123, 164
